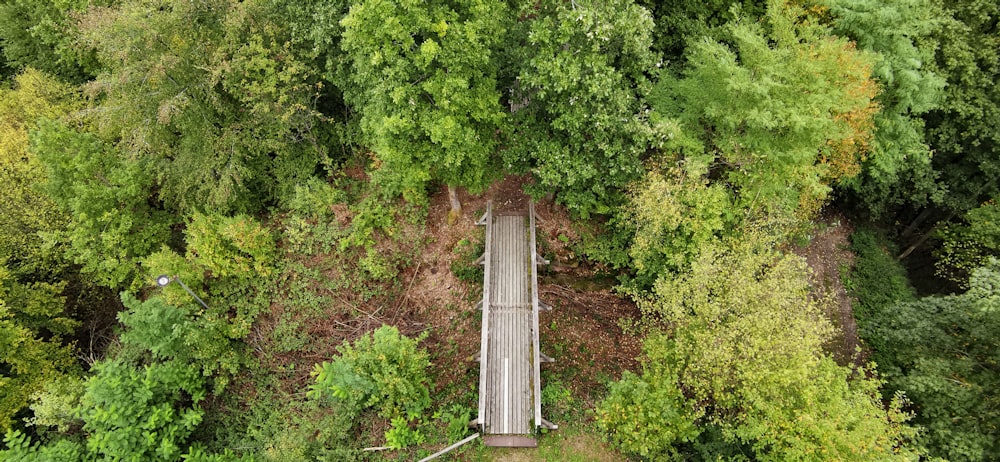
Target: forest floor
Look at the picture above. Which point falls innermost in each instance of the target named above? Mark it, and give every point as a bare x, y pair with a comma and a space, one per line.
435, 293
829, 257
583, 331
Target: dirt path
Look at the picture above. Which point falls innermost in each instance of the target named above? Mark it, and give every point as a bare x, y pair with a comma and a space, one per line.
828, 254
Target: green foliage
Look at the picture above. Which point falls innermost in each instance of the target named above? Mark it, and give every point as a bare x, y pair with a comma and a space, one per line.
315, 199
780, 114
422, 78
558, 401
129, 413
106, 197
40, 34
32, 352
231, 246
580, 122
898, 168
456, 420
370, 215
962, 131
743, 354
383, 369
675, 215
198, 454
965, 247
464, 267
400, 435
679, 24
207, 340
285, 429
877, 282
145, 413
941, 351
218, 103
20, 448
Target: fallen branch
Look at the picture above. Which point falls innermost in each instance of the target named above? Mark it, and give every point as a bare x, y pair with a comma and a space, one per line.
449, 448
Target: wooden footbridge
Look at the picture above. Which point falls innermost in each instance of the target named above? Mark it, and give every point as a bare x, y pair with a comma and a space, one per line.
510, 407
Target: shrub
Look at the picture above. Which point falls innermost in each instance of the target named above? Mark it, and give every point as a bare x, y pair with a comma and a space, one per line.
231, 246
876, 282
143, 413
384, 371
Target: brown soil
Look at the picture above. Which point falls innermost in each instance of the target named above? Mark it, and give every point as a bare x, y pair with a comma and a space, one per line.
583, 334
827, 254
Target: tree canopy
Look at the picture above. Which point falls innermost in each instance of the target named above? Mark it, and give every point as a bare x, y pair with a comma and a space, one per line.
280, 164
424, 81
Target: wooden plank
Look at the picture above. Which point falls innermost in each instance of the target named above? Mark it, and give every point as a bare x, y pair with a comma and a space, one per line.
508, 377
536, 350
484, 344
449, 448
510, 441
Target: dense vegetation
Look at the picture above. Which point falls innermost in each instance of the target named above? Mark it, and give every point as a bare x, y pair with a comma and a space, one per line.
278, 158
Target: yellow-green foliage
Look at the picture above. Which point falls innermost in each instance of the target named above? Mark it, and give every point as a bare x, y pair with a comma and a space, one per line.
26, 211
675, 214
781, 109
742, 358
231, 246
31, 351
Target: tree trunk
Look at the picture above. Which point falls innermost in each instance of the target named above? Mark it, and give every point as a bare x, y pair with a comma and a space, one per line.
919, 242
915, 223
456, 205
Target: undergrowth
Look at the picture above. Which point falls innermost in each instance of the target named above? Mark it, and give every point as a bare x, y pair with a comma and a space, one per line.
876, 282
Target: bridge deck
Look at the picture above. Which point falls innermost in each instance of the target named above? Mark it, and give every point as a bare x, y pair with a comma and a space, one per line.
509, 388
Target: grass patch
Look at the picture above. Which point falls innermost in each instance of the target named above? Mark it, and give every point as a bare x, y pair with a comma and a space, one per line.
571, 443
465, 267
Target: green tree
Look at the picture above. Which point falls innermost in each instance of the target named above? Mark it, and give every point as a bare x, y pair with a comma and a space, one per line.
26, 210
130, 413
144, 413
580, 122
383, 370
207, 340
40, 34
781, 113
742, 359
968, 245
941, 351
32, 352
679, 24
962, 130
213, 97
898, 167
113, 223
424, 82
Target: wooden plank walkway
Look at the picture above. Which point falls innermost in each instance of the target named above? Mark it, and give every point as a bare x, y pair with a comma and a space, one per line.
509, 375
